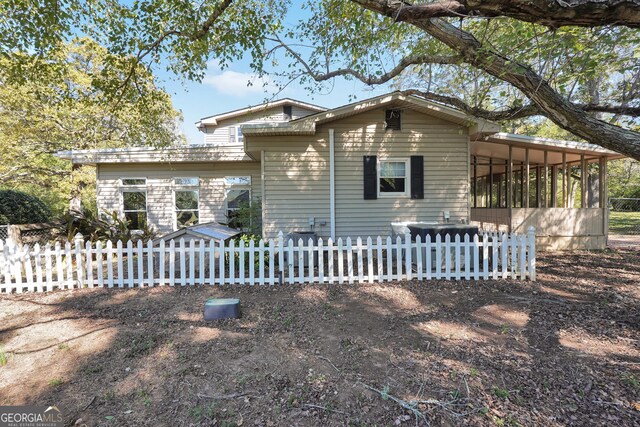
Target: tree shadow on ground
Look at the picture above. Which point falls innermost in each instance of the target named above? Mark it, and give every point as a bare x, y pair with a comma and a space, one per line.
561, 351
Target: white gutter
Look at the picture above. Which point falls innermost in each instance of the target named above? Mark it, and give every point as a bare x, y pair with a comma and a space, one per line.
332, 184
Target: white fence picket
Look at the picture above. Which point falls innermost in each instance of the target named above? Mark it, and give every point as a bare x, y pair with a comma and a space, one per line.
120, 268
99, 265
232, 262
37, 260
109, 264
349, 260
456, 245
192, 262
172, 262
320, 260
261, 261
241, 269
60, 267
252, 262
340, 261
360, 260
212, 262
272, 263
150, 265
140, 259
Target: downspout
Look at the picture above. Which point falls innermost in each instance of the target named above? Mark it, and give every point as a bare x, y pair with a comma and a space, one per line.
332, 184
262, 192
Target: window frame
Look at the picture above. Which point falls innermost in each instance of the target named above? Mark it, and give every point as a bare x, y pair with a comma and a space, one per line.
235, 135
195, 188
134, 188
407, 177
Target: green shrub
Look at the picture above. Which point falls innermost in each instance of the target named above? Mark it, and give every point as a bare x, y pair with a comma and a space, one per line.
247, 218
17, 207
103, 227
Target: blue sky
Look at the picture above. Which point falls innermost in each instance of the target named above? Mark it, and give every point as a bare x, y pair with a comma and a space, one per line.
225, 90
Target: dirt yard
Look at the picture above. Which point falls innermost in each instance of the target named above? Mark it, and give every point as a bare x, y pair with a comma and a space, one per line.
562, 351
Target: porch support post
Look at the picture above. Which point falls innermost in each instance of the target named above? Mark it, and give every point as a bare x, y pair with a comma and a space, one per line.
526, 178
554, 186
510, 185
490, 204
583, 182
521, 185
601, 178
537, 186
604, 196
475, 181
565, 182
545, 188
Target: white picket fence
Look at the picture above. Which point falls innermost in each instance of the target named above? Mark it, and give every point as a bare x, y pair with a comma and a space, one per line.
85, 264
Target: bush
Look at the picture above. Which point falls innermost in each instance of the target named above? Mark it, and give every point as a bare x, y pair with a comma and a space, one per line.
247, 218
101, 228
17, 207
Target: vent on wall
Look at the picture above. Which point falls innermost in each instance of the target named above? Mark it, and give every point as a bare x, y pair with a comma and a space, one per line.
286, 111
392, 119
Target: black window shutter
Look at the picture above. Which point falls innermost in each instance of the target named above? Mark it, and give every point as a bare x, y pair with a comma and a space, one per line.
370, 177
417, 177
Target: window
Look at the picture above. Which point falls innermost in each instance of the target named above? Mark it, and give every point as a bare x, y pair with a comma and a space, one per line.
235, 134
187, 203
393, 177
134, 202
134, 181
392, 119
238, 197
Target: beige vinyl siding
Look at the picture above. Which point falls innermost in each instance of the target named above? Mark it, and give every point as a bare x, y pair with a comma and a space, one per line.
220, 134
444, 147
160, 205
296, 185
297, 174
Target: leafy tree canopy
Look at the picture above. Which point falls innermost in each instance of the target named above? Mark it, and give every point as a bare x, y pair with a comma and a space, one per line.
70, 105
20, 208
574, 62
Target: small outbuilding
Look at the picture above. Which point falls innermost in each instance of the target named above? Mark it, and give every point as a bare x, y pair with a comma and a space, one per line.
207, 231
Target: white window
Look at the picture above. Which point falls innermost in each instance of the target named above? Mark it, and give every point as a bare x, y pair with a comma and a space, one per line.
393, 177
238, 198
186, 197
235, 134
134, 202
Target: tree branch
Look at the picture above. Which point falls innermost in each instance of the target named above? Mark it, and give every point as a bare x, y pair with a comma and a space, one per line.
550, 13
519, 112
555, 107
369, 79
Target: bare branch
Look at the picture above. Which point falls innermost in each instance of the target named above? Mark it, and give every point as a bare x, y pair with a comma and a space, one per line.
369, 79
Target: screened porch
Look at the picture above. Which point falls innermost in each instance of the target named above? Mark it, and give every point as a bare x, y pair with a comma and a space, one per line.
558, 187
